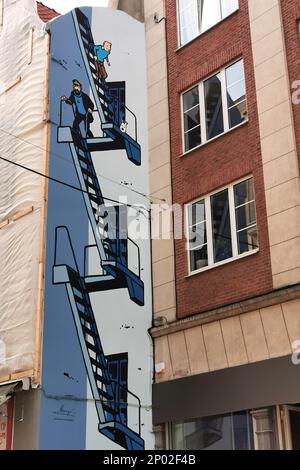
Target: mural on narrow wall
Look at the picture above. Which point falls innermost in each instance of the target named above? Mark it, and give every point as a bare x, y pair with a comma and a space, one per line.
98, 282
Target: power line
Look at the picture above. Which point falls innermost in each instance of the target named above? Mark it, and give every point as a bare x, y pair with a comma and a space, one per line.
55, 180
65, 159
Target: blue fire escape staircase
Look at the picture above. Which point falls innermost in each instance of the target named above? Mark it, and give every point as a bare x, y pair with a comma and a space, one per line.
112, 244
109, 388
109, 98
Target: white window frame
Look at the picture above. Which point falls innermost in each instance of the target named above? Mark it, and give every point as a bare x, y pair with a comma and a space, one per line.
199, 25
209, 229
225, 108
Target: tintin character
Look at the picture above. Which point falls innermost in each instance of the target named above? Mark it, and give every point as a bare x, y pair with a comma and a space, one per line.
101, 54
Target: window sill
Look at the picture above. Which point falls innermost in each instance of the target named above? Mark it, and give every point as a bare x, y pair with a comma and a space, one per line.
222, 263
213, 139
179, 49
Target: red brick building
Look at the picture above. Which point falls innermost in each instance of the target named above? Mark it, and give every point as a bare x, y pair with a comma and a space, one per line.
217, 163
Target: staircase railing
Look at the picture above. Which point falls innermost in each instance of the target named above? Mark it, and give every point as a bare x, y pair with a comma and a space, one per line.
135, 245
63, 228
119, 403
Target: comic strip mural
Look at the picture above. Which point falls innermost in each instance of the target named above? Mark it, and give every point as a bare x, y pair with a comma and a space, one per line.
97, 353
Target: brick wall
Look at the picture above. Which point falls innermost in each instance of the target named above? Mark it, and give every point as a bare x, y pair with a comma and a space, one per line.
217, 163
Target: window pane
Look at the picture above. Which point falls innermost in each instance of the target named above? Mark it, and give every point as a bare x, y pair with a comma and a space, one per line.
228, 7
244, 192
198, 258
191, 118
238, 114
197, 235
295, 428
223, 432
192, 138
213, 433
196, 213
235, 73
210, 14
243, 431
236, 94
189, 33
213, 107
188, 20
265, 429
247, 240
191, 98
221, 226
245, 216
178, 440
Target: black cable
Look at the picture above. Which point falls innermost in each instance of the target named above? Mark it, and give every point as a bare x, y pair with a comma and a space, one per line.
55, 180
66, 160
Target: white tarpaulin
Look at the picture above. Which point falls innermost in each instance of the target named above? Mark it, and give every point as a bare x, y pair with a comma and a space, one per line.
22, 138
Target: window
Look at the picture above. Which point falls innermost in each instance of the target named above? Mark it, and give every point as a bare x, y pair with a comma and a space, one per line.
245, 216
236, 94
188, 18
197, 16
222, 226
264, 429
228, 432
214, 106
197, 235
191, 115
